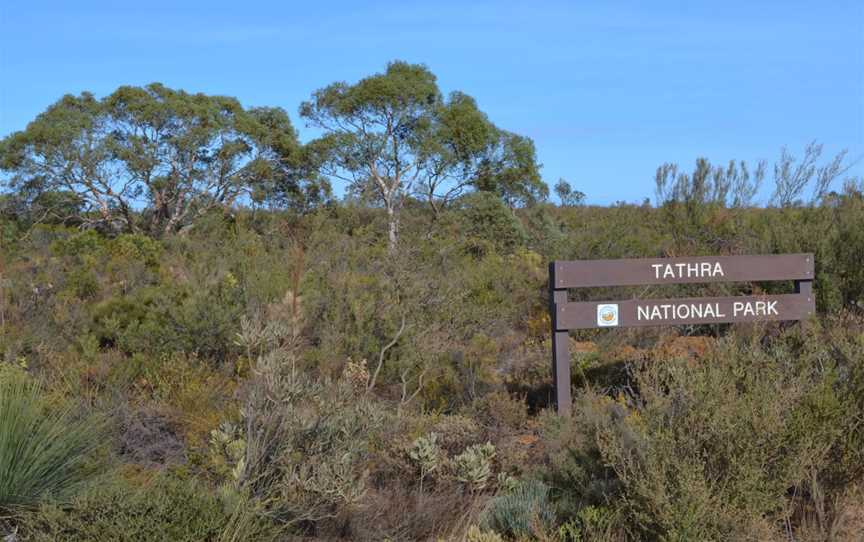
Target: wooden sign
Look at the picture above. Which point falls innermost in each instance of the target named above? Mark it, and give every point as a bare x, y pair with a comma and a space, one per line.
593, 273
568, 315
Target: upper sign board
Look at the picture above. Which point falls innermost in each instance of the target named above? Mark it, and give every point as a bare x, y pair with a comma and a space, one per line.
631, 272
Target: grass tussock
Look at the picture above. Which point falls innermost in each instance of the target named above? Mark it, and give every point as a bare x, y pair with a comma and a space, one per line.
46, 446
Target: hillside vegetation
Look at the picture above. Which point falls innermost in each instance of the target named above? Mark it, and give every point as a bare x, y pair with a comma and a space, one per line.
199, 342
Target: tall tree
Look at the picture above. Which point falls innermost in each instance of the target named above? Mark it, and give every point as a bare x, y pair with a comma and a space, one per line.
568, 196
153, 158
396, 133
64, 150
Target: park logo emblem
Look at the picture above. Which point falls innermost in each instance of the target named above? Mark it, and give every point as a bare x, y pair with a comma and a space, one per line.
607, 315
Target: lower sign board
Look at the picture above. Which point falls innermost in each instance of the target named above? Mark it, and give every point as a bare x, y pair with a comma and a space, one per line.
696, 310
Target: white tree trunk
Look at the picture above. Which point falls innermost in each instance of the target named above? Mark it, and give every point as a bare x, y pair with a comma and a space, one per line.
393, 223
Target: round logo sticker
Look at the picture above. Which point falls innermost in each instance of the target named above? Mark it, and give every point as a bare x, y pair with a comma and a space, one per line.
607, 315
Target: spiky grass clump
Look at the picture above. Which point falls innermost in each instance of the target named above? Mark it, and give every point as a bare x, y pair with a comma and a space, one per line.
46, 451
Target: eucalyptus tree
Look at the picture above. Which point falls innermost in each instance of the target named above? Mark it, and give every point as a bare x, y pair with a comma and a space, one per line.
395, 133
155, 159
568, 196
64, 150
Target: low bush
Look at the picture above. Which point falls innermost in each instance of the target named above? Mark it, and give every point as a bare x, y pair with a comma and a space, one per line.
718, 449
304, 442
523, 511
167, 508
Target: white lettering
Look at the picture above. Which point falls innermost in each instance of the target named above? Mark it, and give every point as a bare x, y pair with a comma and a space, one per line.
754, 308
687, 270
696, 311
684, 311
760, 308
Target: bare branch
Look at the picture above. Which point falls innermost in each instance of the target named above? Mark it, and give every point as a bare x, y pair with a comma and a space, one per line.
381, 354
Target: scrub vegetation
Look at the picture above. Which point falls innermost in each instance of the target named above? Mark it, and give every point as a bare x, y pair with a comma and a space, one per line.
199, 341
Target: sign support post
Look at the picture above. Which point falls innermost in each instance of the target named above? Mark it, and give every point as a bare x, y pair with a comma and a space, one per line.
560, 347
805, 287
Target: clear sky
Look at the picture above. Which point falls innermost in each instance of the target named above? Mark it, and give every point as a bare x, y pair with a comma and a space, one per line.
607, 90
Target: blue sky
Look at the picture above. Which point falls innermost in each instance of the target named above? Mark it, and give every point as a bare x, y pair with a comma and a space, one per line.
607, 90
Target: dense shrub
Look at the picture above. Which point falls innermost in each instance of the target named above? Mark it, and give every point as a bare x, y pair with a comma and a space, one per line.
713, 450
166, 508
304, 442
164, 319
307, 458
487, 219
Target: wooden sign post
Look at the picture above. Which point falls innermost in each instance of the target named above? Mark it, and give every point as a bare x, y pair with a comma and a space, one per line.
566, 315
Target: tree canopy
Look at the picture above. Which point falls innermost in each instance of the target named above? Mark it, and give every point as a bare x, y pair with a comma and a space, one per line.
171, 155
153, 159
396, 133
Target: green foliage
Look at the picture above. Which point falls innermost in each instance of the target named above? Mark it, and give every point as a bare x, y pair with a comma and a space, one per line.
167, 508
46, 448
544, 233
511, 171
172, 318
184, 154
473, 467
137, 247
521, 512
486, 218
305, 439
710, 451
82, 245
590, 523
731, 185
568, 196
393, 134
426, 453
844, 252
228, 451
318, 449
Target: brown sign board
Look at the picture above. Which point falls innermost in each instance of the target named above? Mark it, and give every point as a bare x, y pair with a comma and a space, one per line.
630, 272
694, 310
568, 315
